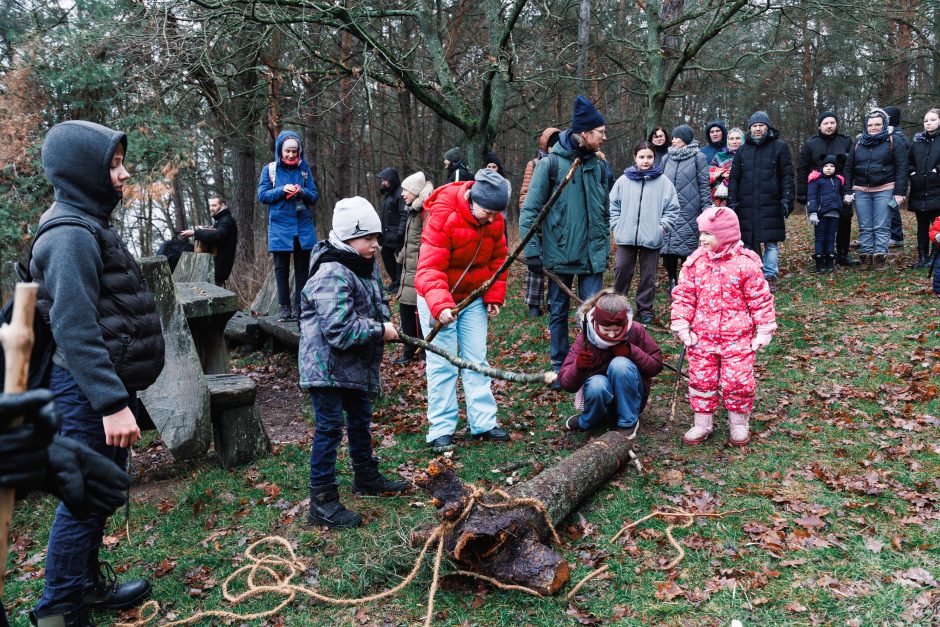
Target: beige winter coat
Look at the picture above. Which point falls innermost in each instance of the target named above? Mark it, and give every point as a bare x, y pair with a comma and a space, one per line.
408, 256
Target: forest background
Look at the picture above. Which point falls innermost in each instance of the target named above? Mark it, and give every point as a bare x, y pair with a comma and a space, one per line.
202, 87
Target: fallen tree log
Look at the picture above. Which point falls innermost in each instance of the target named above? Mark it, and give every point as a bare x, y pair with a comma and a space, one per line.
506, 535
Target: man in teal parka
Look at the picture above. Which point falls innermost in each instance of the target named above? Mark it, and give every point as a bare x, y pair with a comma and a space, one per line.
574, 239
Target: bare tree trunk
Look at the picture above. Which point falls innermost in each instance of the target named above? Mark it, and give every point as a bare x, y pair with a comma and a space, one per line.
584, 35
343, 162
243, 208
218, 166
179, 208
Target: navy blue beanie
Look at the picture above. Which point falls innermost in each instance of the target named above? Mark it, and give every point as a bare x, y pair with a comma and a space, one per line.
585, 117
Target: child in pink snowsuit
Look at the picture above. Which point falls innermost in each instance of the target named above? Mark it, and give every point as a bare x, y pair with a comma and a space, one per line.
723, 311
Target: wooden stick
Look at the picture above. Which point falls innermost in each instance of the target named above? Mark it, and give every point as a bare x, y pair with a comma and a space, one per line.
533, 228
557, 281
545, 378
17, 340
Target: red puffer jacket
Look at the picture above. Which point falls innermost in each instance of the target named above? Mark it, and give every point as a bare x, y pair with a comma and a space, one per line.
451, 241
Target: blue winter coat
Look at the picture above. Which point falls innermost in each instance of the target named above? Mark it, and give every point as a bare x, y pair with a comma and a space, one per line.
288, 218
824, 193
341, 327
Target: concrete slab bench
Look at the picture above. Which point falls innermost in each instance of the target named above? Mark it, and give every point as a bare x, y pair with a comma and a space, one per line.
208, 308
239, 434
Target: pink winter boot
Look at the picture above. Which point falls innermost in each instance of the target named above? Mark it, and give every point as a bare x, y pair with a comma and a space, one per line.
704, 425
739, 431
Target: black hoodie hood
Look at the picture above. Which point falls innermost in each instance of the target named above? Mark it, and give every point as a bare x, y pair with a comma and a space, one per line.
394, 180
724, 134
76, 157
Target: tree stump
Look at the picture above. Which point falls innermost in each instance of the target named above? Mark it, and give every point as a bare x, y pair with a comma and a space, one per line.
509, 544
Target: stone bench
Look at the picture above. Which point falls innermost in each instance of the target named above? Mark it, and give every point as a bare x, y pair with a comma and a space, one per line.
239, 434
208, 308
195, 267
243, 328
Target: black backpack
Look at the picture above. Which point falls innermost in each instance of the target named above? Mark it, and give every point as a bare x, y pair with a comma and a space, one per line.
40, 360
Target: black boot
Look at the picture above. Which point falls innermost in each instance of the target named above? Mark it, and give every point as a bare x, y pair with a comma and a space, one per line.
368, 480
62, 616
830, 265
107, 593
923, 260
325, 509
535, 311
843, 259
819, 263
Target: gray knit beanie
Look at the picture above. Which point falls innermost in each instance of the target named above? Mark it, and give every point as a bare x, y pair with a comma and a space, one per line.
685, 133
355, 217
490, 191
454, 155
759, 117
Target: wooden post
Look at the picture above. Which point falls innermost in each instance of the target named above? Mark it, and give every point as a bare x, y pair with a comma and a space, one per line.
17, 340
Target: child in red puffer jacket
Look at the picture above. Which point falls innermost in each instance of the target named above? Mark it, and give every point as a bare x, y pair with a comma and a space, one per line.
723, 311
610, 365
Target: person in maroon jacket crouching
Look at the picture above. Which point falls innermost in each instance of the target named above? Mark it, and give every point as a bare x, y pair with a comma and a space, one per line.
610, 366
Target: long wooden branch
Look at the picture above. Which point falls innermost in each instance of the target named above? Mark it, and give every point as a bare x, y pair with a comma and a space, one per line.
494, 373
512, 257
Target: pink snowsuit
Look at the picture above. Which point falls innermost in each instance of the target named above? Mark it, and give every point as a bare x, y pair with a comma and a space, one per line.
724, 297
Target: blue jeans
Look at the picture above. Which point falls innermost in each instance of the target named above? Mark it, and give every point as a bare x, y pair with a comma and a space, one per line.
897, 227
619, 393
558, 304
328, 407
771, 259
874, 221
936, 278
465, 337
71, 556
825, 233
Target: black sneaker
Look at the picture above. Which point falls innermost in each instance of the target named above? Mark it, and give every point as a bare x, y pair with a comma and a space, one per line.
845, 260
645, 318
406, 358
325, 509
106, 593
442, 444
534, 311
285, 314
495, 434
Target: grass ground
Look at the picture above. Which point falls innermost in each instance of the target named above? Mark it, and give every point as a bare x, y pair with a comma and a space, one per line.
840, 489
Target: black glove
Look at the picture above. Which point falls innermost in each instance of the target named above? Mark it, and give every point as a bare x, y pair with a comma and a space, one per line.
86, 481
786, 207
535, 265
23, 456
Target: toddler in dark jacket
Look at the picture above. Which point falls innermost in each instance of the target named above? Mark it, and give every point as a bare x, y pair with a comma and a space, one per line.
823, 206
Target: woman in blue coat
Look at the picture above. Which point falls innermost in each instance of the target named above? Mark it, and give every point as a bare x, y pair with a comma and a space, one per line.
288, 189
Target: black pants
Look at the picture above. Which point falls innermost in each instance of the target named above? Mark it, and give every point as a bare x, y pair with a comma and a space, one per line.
671, 263
409, 324
392, 267
844, 233
924, 220
282, 274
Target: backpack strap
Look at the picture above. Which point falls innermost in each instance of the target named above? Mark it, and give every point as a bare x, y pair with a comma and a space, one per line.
272, 173
62, 221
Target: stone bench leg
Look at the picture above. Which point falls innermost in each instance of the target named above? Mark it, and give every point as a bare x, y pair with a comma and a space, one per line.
239, 434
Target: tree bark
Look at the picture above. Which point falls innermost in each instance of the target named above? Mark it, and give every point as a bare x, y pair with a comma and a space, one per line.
510, 544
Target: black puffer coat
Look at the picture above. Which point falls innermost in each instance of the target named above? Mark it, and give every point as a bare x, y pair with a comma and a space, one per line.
876, 165
760, 188
924, 163
812, 153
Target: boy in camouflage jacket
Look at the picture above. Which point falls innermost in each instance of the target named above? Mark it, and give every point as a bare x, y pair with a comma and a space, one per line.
344, 323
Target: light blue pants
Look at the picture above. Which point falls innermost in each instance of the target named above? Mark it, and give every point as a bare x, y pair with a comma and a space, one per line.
771, 259
874, 221
465, 337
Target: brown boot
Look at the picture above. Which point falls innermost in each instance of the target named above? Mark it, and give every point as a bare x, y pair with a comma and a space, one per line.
879, 260
866, 261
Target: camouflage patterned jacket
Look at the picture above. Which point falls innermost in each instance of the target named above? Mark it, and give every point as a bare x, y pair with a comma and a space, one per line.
341, 327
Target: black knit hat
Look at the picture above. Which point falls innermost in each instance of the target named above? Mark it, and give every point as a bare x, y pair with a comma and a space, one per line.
894, 116
826, 114
830, 159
